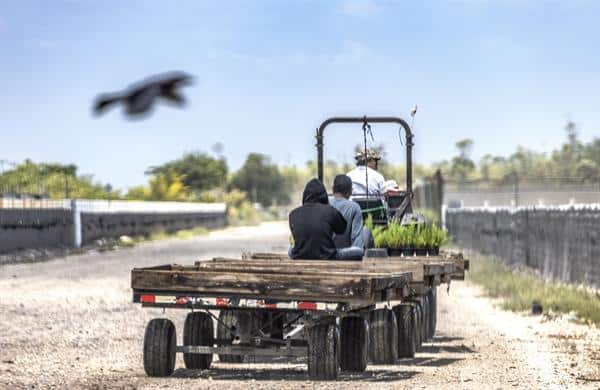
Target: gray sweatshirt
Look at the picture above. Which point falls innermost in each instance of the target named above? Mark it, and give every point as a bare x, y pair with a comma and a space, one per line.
354, 223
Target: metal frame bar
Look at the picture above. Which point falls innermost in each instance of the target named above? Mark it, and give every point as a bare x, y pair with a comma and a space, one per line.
243, 350
369, 119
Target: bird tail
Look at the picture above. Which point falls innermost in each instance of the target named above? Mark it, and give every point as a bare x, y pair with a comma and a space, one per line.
170, 93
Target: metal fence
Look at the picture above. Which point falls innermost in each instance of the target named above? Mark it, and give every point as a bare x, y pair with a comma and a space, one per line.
518, 191
31, 223
429, 194
562, 243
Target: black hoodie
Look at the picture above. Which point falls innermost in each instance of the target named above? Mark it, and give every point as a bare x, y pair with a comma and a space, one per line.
314, 223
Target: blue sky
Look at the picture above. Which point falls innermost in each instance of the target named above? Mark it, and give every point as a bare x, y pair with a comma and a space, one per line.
504, 73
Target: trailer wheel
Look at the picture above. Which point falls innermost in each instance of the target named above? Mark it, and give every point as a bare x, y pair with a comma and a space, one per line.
160, 344
406, 331
417, 323
425, 323
433, 310
231, 319
426, 316
354, 342
323, 352
198, 330
383, 336
421, 322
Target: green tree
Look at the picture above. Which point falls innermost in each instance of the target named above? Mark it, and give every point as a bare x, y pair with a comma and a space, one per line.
462, 165
199, 171
55, 181
262, 181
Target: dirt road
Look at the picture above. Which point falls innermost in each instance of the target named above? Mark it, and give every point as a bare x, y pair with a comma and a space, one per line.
70, 323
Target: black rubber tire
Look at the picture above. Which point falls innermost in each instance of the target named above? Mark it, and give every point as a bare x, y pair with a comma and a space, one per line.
406, 331
231, 319
323, 352
354, 343
160, 344
198, 330
426, 317
418, 315
424, 324
421, 322
383, 337
433, 311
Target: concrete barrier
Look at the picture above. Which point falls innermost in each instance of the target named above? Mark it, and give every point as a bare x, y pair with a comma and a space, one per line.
563, 243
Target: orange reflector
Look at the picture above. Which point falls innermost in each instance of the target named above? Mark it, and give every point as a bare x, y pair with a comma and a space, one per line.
307, 306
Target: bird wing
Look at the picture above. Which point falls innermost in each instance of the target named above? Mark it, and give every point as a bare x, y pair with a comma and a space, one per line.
104, 101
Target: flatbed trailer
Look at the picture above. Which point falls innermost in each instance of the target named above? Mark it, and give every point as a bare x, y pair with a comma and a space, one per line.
338, 314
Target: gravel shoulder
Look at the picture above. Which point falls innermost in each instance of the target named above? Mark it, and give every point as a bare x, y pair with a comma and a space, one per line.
70, 323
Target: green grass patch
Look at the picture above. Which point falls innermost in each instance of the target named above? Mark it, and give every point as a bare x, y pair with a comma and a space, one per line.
519, 289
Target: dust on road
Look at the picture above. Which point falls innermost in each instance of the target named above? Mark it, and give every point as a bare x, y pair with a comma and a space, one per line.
70, 323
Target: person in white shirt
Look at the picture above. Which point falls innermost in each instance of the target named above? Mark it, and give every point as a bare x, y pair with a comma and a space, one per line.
366, 170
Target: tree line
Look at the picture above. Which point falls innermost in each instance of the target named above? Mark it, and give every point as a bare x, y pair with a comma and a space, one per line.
203, 176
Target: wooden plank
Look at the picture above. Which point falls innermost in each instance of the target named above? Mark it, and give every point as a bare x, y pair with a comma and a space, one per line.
264, 256
380, 280
338, 288
284, 256
461, 266
252, 284
323, 266
243, 266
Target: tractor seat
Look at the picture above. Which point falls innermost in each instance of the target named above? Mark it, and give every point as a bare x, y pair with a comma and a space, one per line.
374, 206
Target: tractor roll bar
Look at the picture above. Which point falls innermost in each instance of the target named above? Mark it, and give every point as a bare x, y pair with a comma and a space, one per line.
368, 119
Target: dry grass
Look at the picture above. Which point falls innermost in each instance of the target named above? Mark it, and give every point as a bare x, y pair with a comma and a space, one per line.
519, 289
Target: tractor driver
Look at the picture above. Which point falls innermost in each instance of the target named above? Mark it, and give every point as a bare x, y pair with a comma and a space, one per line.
366, 169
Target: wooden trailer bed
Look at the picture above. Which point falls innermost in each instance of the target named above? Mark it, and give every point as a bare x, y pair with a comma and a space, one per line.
275, 276
285, 281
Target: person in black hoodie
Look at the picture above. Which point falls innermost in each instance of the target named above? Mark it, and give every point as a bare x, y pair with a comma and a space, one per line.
314, 223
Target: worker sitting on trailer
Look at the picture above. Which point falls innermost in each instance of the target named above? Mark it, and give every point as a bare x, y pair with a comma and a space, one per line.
356, 238
313, 225
366, 170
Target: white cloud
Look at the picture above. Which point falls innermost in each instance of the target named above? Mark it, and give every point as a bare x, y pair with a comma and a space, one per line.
360, 8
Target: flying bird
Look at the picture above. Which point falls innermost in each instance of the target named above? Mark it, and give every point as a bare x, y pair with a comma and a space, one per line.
413, 112
140, 97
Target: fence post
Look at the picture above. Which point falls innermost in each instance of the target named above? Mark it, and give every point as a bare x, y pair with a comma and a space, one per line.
515, 177
76, 224
439, 194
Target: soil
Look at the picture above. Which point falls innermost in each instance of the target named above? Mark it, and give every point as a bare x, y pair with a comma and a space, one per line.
70, 323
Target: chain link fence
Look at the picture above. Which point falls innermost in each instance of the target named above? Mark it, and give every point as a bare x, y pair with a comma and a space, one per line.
518, 191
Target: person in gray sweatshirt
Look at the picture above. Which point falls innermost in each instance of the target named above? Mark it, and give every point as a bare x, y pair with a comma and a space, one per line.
356, 238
